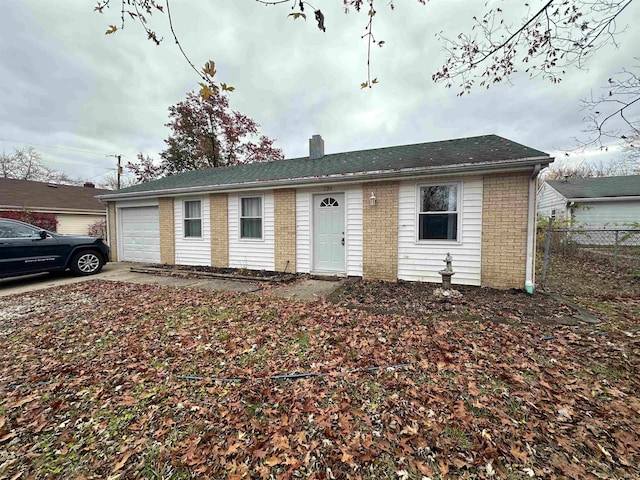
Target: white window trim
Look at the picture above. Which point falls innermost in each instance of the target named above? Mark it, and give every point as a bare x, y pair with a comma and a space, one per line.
262, 206
184, 219
458, 241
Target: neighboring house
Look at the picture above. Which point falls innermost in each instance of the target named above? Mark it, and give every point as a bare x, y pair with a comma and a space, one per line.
592, 202
388, 213
75, 208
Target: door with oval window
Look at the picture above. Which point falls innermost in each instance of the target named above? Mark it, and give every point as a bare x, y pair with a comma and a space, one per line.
328, 232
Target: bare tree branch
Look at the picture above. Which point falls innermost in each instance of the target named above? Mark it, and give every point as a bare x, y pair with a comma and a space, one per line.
616, 112
558, 35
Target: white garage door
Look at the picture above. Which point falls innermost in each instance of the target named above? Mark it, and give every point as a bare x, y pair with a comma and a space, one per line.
76, 224
140, 234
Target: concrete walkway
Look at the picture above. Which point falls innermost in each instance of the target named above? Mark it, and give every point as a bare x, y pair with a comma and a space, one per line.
306, 290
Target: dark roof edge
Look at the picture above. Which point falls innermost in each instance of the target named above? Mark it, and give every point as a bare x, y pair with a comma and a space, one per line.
479, 167
625, 198
78, 211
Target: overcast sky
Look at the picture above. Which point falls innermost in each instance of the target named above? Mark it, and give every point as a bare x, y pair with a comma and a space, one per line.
80, 96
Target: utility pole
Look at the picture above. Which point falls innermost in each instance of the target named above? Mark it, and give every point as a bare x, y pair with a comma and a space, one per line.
119, 169
119, 157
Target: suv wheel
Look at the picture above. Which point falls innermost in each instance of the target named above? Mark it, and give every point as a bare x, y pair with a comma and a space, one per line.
86, 262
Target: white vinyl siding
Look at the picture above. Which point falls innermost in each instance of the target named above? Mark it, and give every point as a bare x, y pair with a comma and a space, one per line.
353, 235
421, 260
69, 224
255, 254
192, 250
354, 231
609, 214
549, 199
303, 231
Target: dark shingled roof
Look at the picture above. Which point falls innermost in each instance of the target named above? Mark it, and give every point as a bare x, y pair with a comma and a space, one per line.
462, 151
624, 186
25, 194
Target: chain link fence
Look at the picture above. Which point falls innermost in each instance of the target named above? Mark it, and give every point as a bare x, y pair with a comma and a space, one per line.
615, 248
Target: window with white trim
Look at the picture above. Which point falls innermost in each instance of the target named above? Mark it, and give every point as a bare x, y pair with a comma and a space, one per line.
251, 218
438, 212
192, 219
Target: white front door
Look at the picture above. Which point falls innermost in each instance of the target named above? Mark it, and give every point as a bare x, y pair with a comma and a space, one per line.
328, 232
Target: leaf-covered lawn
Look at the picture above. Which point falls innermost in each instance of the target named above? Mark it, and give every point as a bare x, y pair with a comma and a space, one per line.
92, 385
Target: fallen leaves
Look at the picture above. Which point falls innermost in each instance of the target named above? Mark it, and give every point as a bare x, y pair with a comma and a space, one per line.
122, 461
97, 387
418, 299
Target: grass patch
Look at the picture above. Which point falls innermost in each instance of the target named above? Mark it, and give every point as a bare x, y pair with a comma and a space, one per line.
612, 374
458, 435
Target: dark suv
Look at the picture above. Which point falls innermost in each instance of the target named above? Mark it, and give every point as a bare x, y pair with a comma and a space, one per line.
27, 249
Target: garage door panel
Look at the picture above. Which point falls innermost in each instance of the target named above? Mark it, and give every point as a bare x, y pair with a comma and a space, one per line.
140, 234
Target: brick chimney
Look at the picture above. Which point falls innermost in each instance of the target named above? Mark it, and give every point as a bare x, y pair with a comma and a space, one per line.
89, 185
316, 147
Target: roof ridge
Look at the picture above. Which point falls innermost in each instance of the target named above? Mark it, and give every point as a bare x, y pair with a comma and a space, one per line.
404, 145
351, 152
52, 183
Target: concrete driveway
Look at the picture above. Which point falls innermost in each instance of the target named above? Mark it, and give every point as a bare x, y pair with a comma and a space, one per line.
307, 289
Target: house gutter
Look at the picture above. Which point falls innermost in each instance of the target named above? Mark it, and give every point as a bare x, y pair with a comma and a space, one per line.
381, 175
52, 210
531, 231
604, 199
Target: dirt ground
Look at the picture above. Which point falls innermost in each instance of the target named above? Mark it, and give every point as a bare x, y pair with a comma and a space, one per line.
612, 296
574, 292
421, 300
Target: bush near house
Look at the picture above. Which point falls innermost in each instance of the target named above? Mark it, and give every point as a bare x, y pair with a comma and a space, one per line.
46, 221
98, 229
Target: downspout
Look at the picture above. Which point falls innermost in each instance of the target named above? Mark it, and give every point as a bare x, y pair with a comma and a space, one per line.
531, 231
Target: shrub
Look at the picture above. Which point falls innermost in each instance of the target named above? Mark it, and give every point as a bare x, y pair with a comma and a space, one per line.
98, 229
46, 221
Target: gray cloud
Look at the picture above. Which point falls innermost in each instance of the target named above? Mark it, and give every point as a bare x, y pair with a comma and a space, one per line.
67, 84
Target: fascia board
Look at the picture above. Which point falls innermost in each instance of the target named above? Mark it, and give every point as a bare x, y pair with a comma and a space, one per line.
604, 199
381, 175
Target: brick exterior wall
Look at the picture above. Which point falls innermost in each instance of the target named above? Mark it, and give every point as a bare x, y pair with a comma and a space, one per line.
380, 231
219, 230
113, 231
504, 230
166, 215
285, 229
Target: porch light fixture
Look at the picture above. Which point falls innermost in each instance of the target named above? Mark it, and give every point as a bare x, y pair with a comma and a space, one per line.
372, 199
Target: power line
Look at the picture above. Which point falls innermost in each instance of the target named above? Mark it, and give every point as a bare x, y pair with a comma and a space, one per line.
62, 162
102, 154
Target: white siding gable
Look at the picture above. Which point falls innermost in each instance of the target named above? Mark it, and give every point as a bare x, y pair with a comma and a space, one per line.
192, 251
550, 199
421, 260
255, 254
